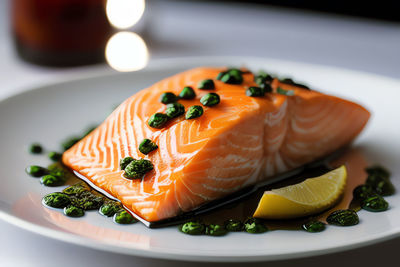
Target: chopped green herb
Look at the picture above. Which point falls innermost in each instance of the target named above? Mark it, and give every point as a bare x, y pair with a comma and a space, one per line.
124, 162
76, 189
343, 218
194, 112
109, 208
361, 192
168, 97
254, 226
230, 77
263, 78
67, 144
216, 230
210, 99
254, 91
137, 168
284, 92
72, 211
35, 148
187, 93
87, 200
36, 171
51, 180
56, 200
193, 228
174, 110
379, 180
313, 226
54, 156
291, 82
207, 84
378, 170
375, 204
157, 120
234, 225
266, 87
146, 146
124, 217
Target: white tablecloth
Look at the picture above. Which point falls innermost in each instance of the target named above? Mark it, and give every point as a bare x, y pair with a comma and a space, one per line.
192, 29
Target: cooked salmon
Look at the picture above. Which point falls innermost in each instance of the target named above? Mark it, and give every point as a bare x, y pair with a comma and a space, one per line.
239, 142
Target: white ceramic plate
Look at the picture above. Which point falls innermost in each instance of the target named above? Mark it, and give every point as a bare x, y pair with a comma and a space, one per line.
51, 113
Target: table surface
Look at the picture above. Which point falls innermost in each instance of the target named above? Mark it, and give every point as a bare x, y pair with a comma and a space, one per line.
177, 29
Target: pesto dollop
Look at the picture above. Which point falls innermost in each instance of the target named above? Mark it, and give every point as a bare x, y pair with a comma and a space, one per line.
215, 230
137, 168
174, 110
313, 226
56, 200
146, 146
72, 211
193, 228
207, 84
157, 120
343, 218
255, 226
35, 148
124, 217
194, 112
187, 93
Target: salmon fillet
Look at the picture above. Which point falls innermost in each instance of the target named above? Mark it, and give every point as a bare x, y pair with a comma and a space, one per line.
239, 142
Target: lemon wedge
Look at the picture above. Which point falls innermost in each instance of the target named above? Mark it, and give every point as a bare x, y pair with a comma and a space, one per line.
306, 198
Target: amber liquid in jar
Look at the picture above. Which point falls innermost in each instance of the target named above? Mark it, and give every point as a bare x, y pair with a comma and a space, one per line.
60, 32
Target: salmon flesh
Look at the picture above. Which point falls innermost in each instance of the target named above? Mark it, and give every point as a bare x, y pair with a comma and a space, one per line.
239, 142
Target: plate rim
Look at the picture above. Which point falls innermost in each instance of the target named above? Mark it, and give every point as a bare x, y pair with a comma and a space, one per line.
159, 64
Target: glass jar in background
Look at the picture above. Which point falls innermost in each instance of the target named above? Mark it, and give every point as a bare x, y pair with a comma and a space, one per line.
60, 32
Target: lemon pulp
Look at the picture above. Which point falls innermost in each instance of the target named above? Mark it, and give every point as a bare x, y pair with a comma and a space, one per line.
306, 198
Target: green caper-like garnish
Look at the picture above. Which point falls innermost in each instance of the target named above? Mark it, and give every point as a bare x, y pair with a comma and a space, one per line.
231, 76
174, 110
194, 112
210, 99
254, 91
168, 97
36, 171
51, 180
137, 168
255, 226
263, 78
193, 228
216, 230
35, 148
72, 211
54, 156
291, 82
124, 217
157, 120
363, 191
87, 200
234, 225
378, 170
375, 204
343, 218
67, 144
380, 183
56, 200
76, 189
207, 84
109, 208
187, 93
146, 146
313, 226
124, 162
281, 91
266, 87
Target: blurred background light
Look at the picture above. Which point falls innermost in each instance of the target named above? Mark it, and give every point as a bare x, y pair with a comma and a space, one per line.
123, 14
126, 51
